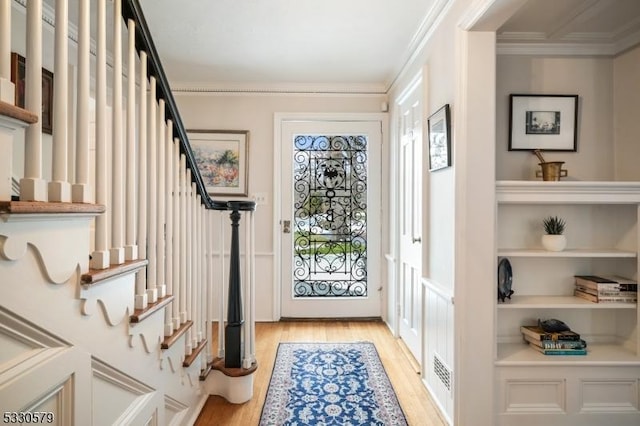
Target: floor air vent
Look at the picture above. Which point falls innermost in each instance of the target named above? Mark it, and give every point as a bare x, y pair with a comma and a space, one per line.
442, 371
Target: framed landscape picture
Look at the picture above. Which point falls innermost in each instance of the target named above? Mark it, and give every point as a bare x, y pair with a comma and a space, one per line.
439, 125
544, 122
222, 159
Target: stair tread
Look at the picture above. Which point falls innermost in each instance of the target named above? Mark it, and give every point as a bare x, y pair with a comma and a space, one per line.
170, 340
15, 112
218, 364
94, 276
34, 207
194, 353
140, 315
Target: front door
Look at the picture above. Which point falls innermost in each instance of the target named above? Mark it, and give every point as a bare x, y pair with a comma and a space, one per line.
330, 233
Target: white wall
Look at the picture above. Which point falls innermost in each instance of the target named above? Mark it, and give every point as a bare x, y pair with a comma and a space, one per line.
255, 113
626, 108
438, 62
590, 78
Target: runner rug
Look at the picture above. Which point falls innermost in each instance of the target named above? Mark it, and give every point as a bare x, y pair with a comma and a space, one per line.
330, 384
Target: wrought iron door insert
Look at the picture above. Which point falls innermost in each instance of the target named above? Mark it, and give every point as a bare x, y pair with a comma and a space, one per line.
330, 211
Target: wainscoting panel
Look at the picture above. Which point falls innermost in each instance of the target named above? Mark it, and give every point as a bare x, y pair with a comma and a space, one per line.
563, 392
120, 399
535, 396
609, 396
40, 373
438, 345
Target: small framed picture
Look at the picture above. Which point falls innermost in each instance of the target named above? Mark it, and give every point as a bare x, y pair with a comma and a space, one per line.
544, 122
18, 73
222, 157
439, 125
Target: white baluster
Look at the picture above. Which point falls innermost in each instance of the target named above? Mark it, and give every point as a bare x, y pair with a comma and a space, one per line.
32, 186
141, 300
175, 306
100, 257
209, 223
131, 249
117, 163
81, 190
189, 262
7, 88
152, 163
198, 265
221, 287
59, 187
168, 207
194, 264
252, 281
184, 202
248, 318
160, 200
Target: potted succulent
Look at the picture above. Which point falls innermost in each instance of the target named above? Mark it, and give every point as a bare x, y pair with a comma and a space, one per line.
554, 240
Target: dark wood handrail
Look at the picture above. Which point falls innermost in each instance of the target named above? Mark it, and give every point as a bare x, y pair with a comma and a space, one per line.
131, 9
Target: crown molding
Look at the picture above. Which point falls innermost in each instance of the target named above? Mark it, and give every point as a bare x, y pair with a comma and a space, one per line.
427, 27
555, 49
575, 44
277, 88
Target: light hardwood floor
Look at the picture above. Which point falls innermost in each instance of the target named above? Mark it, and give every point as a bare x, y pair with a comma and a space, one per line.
414, 399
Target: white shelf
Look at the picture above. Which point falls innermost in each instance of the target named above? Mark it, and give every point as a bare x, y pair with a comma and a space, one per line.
584, 253
520, 354
567, 192
553, 302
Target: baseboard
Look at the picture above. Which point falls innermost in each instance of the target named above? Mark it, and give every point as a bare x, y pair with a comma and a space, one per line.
341, 319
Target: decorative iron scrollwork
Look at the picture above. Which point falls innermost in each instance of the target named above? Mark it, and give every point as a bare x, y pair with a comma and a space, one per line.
330, 204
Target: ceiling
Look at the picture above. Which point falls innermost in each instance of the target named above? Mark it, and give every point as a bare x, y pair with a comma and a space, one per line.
329, 45
355, 45
605, 27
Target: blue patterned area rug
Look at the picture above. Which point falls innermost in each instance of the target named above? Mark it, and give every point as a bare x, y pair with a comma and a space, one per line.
330, 384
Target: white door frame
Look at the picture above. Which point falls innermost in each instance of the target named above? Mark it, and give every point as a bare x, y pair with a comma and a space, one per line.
278, 121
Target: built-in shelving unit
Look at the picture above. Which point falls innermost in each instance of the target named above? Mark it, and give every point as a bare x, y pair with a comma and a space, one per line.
603, 236
602, 230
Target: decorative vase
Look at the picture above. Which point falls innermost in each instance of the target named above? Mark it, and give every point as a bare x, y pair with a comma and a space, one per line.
554, 242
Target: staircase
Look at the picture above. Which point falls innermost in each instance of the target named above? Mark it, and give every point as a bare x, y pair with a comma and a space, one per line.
111, 251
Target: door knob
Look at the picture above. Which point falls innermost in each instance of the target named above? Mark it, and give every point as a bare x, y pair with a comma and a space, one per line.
286, 226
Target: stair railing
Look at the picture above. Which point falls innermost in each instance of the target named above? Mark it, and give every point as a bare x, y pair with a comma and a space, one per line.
157, 207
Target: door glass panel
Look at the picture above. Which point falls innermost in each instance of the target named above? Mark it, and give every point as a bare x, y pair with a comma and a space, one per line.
330, 216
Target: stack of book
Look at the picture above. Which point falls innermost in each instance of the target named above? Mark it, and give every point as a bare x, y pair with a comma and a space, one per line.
559, 343
606, 289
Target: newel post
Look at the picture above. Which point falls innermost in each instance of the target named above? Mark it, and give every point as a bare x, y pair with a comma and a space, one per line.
233, 331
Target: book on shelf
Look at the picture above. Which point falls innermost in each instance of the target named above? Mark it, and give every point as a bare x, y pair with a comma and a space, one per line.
606, 292
536, 332
606, 283
597, 298
581, 351
556, 344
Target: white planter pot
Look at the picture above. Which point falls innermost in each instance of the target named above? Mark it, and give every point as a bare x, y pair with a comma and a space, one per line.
554, 242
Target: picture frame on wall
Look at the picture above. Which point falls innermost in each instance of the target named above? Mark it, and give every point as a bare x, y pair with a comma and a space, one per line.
439, 125
222, 157
18, 76
544, 122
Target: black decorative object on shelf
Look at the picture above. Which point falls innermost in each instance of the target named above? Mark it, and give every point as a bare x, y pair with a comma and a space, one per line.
505, 279
235, 320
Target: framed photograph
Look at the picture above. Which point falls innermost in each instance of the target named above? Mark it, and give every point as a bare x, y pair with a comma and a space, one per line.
439, 139
222, 157
18, 78
544, 122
